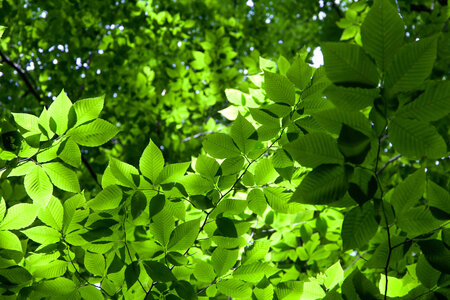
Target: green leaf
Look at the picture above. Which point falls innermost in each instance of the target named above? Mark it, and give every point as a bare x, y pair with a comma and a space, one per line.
185, 290
314, 149
2, 209
69, 152
27, 121
42, 235
254, 272
438, 197
417, 221
172, 172
93, 134
196, 185
426, 274
52, 215
48, 270
241, 132
347, 64
90, 292
158, 272
350, 99
44, 124
123, 172
151, 162
162, 226
299, 73
184, 235
407, 193
88, 109
332, 120
62, 177
432, 105
204, 271
334, 275
359, 226
207, 166
278, 199
220, 145
132, 272
234, 288
279, 88
264, 172
138, 204
325, 184
38, 186
235, 97
353, 144
362, 186
16, 275
266, 64
59, 113
267, 118
257, 202
10, 241
22, 169
177, 259
379, 257
19, 216
436, 254
382, 32
223, 260
416, 139
226, 228
411, 65
94, 263
108, 198
56, 287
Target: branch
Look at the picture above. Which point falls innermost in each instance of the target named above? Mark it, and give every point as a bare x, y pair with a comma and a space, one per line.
196, 136
90, 169
23, 74
81, 276
387, 163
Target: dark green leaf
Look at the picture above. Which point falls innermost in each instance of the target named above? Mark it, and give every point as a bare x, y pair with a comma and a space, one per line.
132, 272
315, 149
353, 144
359, 226
158, 271
382, 32
347, 64
323, 185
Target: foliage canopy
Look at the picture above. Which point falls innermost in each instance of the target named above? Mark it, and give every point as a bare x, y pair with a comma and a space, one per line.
306, 183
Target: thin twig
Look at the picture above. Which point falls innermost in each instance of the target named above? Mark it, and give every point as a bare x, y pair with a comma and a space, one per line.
23, 74
81, 276
386, 268
129, 253
387, 163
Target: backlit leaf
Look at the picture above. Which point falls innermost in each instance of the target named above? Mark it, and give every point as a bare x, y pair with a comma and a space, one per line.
347, 64
359, 226
411, 65
382, 32
62, 177
323, 185
151, 162
416, 139
19, 216
184, 235
220, 145
38, 186
314, 149
279, 88
93, 134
